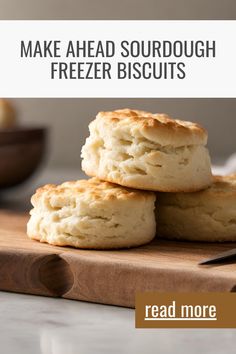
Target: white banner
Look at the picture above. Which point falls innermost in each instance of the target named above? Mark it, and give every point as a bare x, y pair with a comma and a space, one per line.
117, 59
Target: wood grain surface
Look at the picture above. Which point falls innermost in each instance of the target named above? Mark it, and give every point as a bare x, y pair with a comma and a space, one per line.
109, 277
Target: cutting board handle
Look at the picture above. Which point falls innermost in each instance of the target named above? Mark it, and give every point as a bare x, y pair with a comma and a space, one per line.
39, 273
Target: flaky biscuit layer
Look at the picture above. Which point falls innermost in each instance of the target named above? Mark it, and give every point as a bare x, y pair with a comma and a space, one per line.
147, 151
92, 214
208, 215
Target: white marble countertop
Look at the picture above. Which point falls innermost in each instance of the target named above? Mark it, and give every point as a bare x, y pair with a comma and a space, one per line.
34, 324
40, 325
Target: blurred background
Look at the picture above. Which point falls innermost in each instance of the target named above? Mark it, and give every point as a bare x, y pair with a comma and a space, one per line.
118, 10
68, 119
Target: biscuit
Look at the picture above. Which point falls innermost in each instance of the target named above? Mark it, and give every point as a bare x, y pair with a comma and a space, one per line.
7, 115
92, 214
148, 151
209, 215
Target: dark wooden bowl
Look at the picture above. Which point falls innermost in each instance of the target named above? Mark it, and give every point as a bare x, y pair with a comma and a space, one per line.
21, 151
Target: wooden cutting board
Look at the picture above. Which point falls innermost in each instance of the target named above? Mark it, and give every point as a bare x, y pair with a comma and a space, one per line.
109, 277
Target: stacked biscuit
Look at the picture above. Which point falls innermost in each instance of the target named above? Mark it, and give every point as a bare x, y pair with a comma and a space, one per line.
151, 174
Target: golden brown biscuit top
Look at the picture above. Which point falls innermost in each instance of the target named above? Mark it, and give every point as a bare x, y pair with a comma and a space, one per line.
157, 123
93, 189
224, 184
